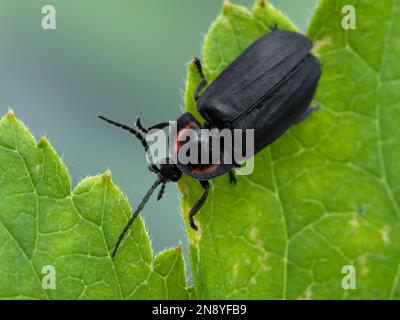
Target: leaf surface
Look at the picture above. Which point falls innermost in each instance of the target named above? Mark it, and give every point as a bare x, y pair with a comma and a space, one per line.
43, 223
326, 194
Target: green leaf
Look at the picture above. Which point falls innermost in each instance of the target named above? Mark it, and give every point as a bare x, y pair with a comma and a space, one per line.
43, 223
327, 193
324, 196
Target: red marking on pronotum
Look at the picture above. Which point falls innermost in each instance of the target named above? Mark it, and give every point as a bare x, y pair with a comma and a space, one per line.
179, 139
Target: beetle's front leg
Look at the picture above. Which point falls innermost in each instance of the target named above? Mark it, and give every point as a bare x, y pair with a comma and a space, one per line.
232, 178
307, 113
206, 186
203, 82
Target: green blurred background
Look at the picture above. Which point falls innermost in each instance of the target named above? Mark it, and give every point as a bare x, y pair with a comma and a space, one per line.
117, 58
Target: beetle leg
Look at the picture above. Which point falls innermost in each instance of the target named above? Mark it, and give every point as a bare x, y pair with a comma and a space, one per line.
157, 126
205, 184
203, 81
237, 165
232, 178
306, 113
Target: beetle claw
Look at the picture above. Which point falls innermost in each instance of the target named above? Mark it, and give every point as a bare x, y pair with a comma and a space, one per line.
193, 225
232, 178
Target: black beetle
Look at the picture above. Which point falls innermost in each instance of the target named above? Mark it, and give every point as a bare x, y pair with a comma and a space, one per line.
268, 88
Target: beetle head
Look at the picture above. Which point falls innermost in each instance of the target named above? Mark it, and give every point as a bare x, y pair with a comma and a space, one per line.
170, 171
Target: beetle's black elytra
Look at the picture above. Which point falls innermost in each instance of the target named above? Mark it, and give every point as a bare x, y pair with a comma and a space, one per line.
268, 88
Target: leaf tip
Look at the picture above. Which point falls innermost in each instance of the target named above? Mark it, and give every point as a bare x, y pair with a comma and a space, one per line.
107, 176
192, 63
227, 6
11, 115
262, 3
43, 142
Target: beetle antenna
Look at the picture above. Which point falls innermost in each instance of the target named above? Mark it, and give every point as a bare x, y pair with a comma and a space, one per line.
136, 213
135, 133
